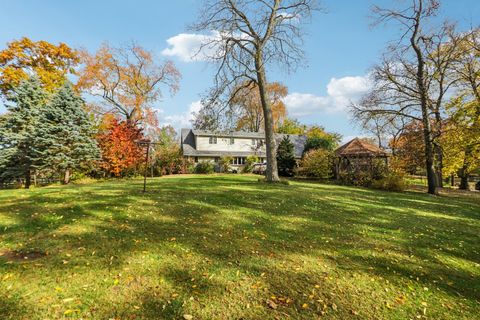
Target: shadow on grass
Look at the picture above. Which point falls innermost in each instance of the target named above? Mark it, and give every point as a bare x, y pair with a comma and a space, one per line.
237, 224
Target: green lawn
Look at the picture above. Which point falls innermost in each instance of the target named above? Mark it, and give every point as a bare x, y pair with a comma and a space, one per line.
228, 247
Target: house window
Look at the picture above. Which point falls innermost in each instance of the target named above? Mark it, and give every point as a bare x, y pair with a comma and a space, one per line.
238, 161
217, 159
254, 142
196, 159
212, 140
232, 140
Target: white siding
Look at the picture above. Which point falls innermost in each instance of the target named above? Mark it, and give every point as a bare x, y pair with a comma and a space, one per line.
223, 144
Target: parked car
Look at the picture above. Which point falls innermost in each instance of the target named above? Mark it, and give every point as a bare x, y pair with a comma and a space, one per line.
259, 168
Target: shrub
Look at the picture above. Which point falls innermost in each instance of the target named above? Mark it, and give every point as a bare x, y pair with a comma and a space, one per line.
379, 169
317, 163
205, 167
187, 166
250, 161
391, 182
224, 163
356, 178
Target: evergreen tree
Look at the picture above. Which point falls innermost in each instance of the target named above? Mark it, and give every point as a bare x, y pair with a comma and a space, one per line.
65, 134
18, 130
286, 157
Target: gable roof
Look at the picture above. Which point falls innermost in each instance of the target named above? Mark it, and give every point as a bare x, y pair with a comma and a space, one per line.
359, 147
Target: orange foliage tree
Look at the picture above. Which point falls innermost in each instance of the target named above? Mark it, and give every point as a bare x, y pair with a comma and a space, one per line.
407, 149
249, 107
50, 63
127, 80
120, 150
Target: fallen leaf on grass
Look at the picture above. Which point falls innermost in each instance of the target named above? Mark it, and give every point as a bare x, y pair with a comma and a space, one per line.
272, 304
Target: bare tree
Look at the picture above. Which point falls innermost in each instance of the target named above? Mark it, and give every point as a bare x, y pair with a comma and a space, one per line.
441, 52
405, 81
385, 127
249, 37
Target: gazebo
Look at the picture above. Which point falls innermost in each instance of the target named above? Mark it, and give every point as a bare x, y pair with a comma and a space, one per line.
358, 156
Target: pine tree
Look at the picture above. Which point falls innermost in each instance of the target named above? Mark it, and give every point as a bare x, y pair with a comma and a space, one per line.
18, 131
286, 157
65, 134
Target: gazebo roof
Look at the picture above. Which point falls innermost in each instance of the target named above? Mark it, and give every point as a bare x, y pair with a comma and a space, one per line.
359, 147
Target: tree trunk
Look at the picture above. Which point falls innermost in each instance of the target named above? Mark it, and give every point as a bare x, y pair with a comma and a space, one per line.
439, 165
28, 179
464, 182
463, 172
272, 169
66, 177
422, 90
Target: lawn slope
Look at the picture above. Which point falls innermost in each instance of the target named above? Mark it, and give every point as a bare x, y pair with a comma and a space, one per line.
228, 247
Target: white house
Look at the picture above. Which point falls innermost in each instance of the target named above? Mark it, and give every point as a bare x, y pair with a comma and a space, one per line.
200, 145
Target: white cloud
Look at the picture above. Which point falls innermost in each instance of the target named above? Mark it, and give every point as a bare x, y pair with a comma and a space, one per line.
340, 93
188, 46
181, 120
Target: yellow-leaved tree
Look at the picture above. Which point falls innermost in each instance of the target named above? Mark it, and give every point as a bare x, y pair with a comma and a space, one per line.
49, 62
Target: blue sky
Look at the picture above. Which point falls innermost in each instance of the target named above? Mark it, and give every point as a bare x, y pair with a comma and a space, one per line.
341, 47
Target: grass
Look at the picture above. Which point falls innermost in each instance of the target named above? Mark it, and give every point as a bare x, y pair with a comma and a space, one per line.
228, 247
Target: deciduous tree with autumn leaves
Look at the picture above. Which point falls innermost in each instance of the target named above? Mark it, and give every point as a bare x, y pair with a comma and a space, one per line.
50, 63
128, 80
121, 153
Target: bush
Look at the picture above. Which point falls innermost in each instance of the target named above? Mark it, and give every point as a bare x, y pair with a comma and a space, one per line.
317, 163
205, 167
379, 169
356, 178
391, 182
250, 161
224, 163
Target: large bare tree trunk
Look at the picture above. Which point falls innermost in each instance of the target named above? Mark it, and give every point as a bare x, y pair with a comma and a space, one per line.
272, 169
429, 162
422, 90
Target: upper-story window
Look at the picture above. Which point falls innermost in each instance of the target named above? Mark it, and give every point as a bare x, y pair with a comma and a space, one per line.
258, 142
212, 140
232, 140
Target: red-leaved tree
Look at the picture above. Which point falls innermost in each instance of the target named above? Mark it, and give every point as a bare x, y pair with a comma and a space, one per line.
121, 153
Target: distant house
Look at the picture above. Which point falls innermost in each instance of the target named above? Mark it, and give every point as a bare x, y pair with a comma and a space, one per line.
199, 145
358, 155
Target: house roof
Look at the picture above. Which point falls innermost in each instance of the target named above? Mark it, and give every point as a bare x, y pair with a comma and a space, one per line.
359, 147
233, 134
189, 148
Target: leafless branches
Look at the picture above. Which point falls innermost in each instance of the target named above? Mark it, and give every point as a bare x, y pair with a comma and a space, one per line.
250, 36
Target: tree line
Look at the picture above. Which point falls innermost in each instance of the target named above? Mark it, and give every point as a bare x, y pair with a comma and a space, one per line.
74, 112
424, 97
425, 94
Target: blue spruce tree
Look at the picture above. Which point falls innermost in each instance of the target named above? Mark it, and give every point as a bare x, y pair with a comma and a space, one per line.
65, 134
18, 131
